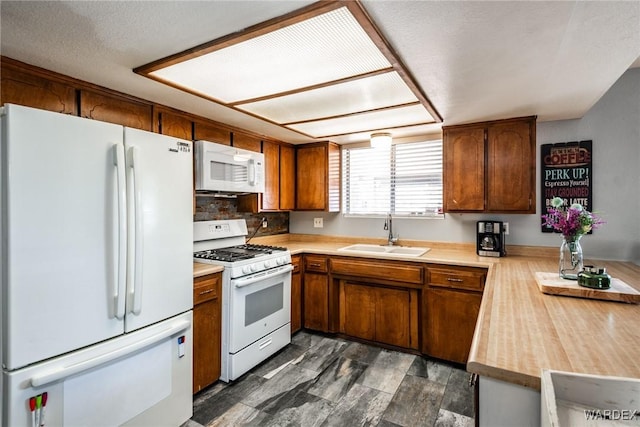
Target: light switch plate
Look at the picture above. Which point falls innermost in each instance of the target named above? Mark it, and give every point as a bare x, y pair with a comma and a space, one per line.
317, 223
505, 228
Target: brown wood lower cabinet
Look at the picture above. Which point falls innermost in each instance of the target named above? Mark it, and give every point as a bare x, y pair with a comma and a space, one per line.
316, 301
206, 330
381, 314
450, 307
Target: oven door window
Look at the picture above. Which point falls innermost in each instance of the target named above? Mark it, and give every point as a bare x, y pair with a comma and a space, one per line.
263, 303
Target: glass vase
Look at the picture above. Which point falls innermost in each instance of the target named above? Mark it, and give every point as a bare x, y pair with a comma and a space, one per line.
571, 262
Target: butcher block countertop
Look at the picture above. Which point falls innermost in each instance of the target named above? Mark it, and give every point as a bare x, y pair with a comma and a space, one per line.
520, 330
200, 269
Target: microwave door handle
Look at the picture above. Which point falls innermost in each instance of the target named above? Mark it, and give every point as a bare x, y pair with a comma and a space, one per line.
121, 271
252, 172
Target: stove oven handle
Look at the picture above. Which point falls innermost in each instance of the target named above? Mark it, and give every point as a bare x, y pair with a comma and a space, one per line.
260, 277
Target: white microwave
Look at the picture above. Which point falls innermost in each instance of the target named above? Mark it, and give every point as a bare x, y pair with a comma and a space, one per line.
221, 168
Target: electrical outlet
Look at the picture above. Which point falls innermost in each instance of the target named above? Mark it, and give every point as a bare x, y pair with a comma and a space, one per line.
317, 223
264, 223
505, 228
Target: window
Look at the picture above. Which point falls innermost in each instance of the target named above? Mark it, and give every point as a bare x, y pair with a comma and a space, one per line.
404, 179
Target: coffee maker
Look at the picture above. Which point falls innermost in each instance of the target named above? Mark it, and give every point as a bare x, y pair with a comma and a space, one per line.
490, 239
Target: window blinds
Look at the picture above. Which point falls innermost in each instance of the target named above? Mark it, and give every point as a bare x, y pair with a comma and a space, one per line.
404, 179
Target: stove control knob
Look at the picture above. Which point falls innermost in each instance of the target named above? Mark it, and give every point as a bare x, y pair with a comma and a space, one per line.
254, 267
281, 261
268, 264
246, 269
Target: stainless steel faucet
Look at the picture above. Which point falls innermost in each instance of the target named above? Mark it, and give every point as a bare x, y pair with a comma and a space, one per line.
388, 225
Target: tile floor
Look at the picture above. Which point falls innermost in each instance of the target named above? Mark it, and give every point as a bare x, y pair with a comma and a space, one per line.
321, 381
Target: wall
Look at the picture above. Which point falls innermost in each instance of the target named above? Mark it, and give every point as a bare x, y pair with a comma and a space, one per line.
613, 124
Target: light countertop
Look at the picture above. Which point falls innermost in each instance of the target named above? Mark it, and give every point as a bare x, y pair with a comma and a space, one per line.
520, 330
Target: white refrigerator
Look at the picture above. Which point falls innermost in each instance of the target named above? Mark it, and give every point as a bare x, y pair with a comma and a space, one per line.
97, 273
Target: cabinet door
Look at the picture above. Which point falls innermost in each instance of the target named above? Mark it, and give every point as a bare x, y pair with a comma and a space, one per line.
247, 142
311, 176
359, 305
463, 167
316, 301
20, 87
296, 295
287, 177
206, 331
118, 110
174, 124
393, 323
511, 167
451, 321
271, 195
212, 133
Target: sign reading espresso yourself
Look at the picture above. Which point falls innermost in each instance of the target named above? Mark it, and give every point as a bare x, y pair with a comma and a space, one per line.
566, 172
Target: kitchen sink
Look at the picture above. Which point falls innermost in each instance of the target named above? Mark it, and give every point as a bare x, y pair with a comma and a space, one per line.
406, 251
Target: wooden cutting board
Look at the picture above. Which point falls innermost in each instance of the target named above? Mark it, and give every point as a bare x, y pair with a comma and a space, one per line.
551, 283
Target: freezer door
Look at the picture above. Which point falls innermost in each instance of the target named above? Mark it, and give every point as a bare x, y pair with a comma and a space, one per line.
138, 379
61, 234
160, 194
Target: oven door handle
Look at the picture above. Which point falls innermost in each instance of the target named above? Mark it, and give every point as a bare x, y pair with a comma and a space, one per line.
260, 277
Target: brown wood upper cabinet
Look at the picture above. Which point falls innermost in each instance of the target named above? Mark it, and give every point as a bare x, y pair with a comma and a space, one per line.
490, 166
246, 142
174, 124
279, 161
211, 132
318, 177
118, 110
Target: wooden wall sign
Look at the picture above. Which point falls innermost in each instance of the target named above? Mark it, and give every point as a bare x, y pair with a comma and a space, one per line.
566, 172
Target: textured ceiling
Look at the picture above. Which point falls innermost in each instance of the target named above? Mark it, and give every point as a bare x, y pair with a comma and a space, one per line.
474, 60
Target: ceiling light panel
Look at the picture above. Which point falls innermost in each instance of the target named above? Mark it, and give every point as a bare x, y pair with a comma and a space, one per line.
364, 94
384, 119
325, 48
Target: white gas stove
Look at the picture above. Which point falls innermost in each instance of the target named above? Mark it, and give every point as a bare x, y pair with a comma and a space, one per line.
256, 293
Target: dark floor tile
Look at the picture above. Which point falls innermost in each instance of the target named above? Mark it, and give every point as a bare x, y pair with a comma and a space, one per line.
361, 406
435, 371
318, 357
205, 394
279, 388
385, 423
395, 360
299, 409
213, 408
361, 352
287, 355
239, 415
337, 379
416, 402
451, 419
305, 339
458, 396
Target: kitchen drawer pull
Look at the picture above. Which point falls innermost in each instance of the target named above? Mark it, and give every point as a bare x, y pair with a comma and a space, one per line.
315, 265
452, 279
208, 291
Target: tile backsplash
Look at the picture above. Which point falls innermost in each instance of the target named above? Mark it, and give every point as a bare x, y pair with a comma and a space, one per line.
210, 208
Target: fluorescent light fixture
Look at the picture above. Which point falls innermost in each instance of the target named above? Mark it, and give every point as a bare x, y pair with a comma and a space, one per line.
323, 70
381, 140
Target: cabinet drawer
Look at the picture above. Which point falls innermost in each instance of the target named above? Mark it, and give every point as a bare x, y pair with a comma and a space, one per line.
206, 288
405, 273
295, 262
458, 277
316, 263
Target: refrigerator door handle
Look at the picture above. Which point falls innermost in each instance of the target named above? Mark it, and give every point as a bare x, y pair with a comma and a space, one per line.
120, 285
66, 371
136, 286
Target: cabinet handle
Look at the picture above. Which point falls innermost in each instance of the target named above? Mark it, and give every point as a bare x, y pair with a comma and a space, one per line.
451, 279
314, 265
208, 291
